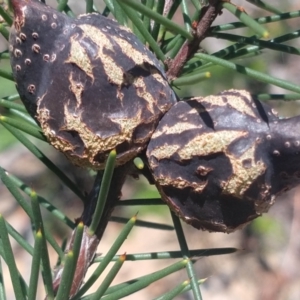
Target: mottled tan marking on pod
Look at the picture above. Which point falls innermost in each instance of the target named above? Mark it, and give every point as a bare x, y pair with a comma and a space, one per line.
242, 177
210, 143
195, 111
127, 125
113, 71
164, 151
235, 102
181, 183
76, 88
94, 144
141, 91
127, 29
158, 77
43, 117
177, 128
138, 57
79, 57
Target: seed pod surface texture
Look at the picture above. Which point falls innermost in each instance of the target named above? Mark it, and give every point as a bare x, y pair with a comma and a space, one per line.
220, 161
89, 82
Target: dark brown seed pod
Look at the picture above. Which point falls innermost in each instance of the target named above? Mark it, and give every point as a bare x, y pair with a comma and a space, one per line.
220, 161
89, 82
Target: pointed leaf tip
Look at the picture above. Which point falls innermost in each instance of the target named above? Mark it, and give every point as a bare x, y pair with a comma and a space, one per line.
266, 35
33, 194
80, 224
122, 257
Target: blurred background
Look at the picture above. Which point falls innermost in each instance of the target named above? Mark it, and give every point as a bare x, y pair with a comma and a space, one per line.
266, 267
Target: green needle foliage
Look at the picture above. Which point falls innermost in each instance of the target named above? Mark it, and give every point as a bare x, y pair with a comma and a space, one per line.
165, 27
35, 267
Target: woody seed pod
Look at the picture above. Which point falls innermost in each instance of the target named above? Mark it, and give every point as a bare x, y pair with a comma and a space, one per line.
89, 82
220, 161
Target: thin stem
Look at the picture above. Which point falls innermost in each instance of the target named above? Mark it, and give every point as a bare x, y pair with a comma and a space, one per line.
5, 74
62, 5
256, 42
12, 97
11, 262
172, 294
89, 7
140, 26
186, 15
14, 190
12, 105
189, 80
39, 226
130, 202
250, 72
26, 127
177, 47
4, 55
119, 14
108, 257
147, 224
172, 26
146, 19
173, 254
66, 288
35, 266
35, 151
265, 6
262, 20
2, 287
6, 17
5, 34
109, 278
42, 201
104, 189
189, 48
284, 97
90, 242
19, 239
186, 253
156, 27
137, 284
246, 19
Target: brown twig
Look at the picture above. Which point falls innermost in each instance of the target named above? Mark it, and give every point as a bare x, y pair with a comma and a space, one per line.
90, 242
200, 29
